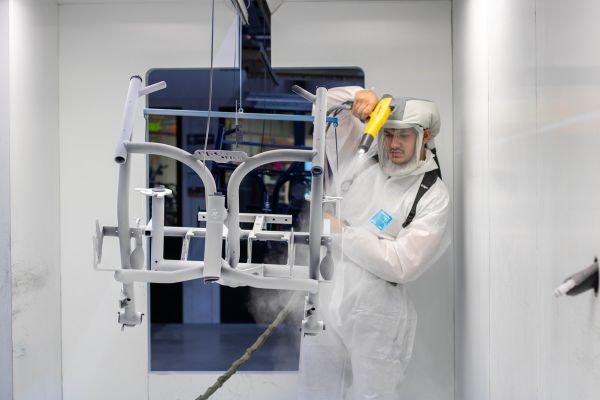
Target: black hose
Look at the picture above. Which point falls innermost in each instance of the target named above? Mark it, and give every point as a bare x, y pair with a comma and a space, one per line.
250, 350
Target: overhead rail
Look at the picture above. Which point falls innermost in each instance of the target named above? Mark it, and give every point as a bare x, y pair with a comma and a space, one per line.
233, 114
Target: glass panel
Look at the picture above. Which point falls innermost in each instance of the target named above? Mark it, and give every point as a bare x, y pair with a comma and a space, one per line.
164, 171
205, 327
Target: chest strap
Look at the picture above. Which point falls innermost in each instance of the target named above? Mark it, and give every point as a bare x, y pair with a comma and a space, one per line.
427, 181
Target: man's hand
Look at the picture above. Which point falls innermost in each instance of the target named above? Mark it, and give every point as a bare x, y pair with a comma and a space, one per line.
364, 102
335, 225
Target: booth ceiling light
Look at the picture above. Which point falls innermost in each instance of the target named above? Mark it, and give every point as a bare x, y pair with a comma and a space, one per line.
241, 10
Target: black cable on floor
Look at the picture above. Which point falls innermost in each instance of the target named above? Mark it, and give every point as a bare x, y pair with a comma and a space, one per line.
250, 350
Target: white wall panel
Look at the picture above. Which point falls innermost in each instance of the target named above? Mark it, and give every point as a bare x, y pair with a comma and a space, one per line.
34, 205
513, 201
471, 198
5, 273
569, 137
542, 216
404, 48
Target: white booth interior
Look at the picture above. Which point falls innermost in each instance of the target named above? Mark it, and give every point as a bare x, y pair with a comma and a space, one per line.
516, 83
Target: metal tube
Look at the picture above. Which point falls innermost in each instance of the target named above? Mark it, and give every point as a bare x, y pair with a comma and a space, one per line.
127, 121
123, 214
213, 244
183, 230
233, 198
180, 231
136, 275
146, 90
158, 224
263, 145
176, 265
232, 277
312, 322
304, 93
284, 271
278, 270
229, 277
226, 114
128, 316
316, 204
182, 156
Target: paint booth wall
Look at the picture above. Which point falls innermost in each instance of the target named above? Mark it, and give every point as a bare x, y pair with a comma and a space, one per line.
34, 199
526, 98
6, 353
101, 45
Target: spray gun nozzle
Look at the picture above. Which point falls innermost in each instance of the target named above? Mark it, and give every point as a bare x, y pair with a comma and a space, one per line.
365, 143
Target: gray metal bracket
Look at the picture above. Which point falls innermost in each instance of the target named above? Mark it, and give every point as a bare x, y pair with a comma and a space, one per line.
221, 156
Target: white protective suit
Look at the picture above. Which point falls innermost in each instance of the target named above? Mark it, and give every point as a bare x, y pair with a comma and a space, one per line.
370, 322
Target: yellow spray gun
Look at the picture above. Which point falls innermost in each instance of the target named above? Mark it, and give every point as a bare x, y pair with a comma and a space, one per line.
377, 118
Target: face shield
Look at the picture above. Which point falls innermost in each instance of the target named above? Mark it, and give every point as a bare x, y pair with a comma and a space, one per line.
399, 147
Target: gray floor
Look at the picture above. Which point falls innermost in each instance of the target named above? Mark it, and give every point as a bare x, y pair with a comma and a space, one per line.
213, 347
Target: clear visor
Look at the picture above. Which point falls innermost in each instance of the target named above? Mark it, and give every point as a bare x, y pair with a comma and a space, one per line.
399, 147
403, 134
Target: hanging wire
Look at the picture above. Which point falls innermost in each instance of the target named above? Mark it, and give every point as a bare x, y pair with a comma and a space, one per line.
237, 61
264, 101
241, 108
235, 58
334, 112
337, 153
210, 84
262, 140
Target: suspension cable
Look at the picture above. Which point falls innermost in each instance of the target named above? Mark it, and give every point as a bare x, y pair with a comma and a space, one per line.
210, 84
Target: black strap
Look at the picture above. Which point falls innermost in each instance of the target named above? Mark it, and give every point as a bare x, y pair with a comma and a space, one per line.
435, 158
427, 182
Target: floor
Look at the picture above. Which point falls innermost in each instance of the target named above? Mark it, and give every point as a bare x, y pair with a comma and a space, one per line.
213, 347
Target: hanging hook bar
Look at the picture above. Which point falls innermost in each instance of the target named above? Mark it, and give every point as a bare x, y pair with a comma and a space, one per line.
228, 114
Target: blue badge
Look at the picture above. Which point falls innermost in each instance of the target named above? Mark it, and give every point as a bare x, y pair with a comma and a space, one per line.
381, 219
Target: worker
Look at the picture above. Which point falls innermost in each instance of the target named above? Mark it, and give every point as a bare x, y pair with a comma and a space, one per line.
370, 321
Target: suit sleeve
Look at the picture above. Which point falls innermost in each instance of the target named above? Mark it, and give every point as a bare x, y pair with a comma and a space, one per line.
341, 142
338, 95
405, 258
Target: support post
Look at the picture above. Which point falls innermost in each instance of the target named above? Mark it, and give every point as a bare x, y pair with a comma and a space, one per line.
311, 323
